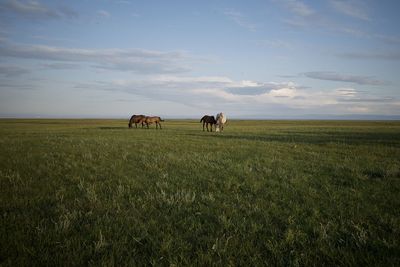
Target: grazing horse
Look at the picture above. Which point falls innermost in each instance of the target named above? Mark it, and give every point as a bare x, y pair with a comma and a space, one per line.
136, 119
221, 120
150, 120
208, 120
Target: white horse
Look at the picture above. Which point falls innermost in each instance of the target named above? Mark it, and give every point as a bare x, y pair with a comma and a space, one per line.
221, 120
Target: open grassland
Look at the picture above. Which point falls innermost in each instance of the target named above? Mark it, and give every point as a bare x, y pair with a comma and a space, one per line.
292, 193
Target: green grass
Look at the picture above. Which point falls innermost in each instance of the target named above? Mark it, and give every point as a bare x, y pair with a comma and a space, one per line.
286, 193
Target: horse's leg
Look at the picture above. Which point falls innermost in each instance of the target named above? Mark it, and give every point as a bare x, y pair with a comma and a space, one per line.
203, 125
160, 125
211, 126
156, 125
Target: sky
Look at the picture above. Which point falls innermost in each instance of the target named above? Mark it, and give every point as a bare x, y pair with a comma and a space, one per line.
185, 59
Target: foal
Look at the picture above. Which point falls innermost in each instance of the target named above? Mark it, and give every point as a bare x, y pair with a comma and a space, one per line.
150, 120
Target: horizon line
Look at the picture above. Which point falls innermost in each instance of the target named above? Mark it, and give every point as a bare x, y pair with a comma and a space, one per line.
244, 117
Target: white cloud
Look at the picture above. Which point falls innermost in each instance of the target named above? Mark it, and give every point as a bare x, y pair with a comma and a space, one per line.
224, 92
358, 109
346, 92
353, 8
213, 94
246, 83
299, 8
240, 19
193, 80
284, 92
296, 7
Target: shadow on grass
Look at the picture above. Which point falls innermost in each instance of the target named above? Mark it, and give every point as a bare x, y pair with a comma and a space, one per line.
112, 128
347, 138
123, 128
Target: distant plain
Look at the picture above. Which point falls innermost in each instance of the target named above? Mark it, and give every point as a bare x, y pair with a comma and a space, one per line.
93, 192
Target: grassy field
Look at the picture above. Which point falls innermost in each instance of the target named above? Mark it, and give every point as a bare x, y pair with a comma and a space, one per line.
286, 193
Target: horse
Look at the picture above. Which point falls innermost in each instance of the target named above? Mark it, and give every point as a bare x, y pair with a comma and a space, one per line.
136, 119
150, 120
208, 120
221, 120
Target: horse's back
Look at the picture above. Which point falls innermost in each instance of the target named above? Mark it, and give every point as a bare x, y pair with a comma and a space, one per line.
208, 119
153, 119
138, 118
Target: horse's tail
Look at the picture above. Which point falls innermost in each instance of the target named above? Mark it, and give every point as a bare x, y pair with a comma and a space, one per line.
160, 119
202, 119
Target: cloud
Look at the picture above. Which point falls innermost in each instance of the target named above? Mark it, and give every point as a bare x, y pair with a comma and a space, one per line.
388, 39
61, 66
243, 97
284, 92
274, 43
301, 15
240, 19
12, 71
132, 60
251, 88
353, 8
386, 55
222, 92
346, 92
337, 77
259, 90
67, 12
369, 100
219, 92
34, 10
361, 101
103, 14
298, 8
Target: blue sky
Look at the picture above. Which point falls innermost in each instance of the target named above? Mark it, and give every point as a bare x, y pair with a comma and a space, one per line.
254, 59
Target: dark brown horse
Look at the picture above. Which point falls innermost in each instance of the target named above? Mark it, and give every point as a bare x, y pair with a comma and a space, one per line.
150, 120
208, 120
136, 119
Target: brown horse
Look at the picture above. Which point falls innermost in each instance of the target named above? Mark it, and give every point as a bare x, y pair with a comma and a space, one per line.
136, 119
208, 120
150, 120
